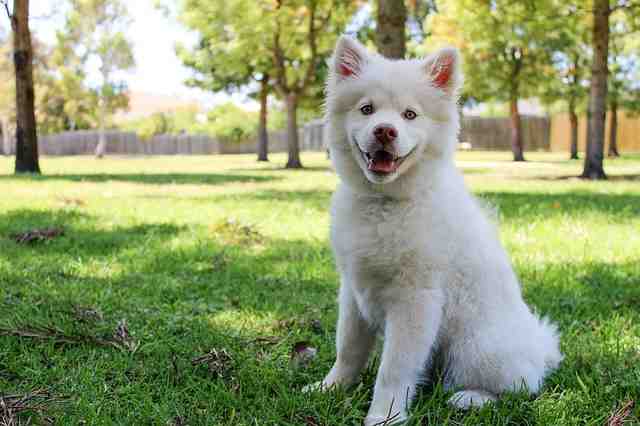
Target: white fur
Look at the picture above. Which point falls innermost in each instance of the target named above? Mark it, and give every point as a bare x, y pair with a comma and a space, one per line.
419, 262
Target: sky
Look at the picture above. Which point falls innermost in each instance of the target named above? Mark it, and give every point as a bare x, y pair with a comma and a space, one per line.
158, 70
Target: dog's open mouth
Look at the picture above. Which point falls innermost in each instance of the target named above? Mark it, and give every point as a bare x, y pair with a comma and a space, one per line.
382, 162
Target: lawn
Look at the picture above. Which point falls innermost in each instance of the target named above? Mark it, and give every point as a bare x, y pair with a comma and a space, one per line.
181, 285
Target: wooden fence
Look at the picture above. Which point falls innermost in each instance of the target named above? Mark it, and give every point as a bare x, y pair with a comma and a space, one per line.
126, 143
628, 133
481, 133
494, 134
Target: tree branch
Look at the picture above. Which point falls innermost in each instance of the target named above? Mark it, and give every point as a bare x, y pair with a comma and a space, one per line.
311, 38
624, 5
5, 3
279, 60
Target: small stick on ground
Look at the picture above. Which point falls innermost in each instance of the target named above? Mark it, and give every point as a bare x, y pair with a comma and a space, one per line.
13, 405
37, 235
619, 416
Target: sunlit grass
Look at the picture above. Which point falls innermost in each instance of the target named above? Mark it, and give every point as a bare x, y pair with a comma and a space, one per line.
224, 252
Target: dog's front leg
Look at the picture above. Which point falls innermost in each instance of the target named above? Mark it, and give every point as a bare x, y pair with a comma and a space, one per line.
354, 341
411, 326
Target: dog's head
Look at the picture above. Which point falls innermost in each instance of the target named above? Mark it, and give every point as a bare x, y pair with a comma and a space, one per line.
387, 115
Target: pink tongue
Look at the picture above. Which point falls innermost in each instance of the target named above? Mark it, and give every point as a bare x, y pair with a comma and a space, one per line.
382, 162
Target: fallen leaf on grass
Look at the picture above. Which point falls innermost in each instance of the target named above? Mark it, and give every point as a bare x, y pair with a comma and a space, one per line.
177, 421
37, 235
13, 405
310, 421
302, 354
233, 232
217, 361
72, 201
87, 314
618, 418
122, 336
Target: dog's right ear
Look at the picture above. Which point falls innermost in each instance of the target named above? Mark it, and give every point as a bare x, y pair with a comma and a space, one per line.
349, 58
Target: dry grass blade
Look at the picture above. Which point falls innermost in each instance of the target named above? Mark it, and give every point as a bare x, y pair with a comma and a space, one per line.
123, 338
37, 235
619, 417
59, 336
12, 405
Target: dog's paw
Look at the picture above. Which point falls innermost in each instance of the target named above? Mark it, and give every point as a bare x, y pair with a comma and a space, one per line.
373, 420
316, 387
467, 399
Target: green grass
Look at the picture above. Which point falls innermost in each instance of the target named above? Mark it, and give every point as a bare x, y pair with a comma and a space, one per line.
198, 253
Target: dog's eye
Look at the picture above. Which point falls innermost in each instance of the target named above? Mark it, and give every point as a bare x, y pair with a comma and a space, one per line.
366, 109
409, 114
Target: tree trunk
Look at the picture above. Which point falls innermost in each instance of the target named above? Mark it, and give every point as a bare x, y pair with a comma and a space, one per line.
263, 135
101, 148
516, 132
6, 136
573, 121
613, 131
588, 141
26, 132
593, 162
293, 161
390, 28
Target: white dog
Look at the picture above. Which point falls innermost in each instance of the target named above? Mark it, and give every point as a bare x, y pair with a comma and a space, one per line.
418, 260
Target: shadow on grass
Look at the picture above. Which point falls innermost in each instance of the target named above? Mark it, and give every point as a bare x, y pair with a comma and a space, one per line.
265, 270
511, 205
151, 179
316, 199
82, 236
610, 177
527, 205
180, 301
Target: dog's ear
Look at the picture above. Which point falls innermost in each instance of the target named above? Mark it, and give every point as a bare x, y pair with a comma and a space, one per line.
349, 58
443, 70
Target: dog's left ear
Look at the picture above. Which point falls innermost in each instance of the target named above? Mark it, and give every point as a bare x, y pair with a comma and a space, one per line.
443, 70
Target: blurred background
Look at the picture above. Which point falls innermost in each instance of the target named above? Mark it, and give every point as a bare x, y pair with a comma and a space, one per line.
246, 76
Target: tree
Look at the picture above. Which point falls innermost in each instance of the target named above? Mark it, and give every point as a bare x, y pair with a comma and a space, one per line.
299, 55
96, 28
26, 132
570, 55
64, 101
624, 67
224, 60
390, 29
503, 46
290, 38
593, 161
7, 89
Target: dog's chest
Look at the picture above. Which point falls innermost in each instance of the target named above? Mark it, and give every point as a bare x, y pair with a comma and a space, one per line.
375, 240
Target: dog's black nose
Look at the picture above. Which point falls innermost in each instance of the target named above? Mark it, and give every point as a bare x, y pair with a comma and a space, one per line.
385, 133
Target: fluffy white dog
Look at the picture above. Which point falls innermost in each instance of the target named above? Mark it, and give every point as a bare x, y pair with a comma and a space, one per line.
419, 262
